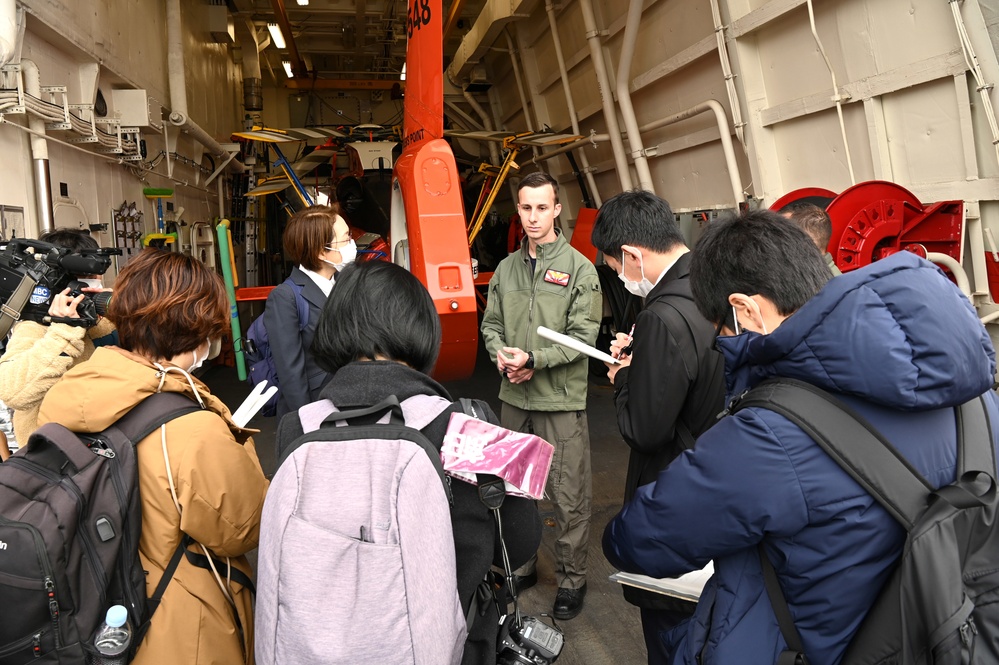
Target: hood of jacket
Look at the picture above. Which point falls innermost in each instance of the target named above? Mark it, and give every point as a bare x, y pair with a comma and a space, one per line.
897, 333
93, 395
368, 382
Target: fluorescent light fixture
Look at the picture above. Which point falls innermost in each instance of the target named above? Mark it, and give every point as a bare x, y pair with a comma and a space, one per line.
276, 35
303, 3
287, 68
402, 76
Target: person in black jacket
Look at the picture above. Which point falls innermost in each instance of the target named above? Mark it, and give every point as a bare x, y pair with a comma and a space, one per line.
669, 385
379, 335
318, 241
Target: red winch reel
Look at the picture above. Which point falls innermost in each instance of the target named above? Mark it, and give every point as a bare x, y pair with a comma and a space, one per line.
875, 219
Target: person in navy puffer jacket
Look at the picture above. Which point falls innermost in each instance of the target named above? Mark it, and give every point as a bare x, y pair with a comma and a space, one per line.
895, 340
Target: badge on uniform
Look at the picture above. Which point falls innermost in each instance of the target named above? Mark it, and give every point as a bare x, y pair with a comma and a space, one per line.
557, 277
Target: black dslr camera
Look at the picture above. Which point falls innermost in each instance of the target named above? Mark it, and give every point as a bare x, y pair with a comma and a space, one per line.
46, 270
528, 641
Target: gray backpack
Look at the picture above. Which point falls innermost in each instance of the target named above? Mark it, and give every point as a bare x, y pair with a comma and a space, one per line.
357, 560
941, 605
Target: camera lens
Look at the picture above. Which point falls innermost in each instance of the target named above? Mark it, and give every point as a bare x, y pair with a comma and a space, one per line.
101, 302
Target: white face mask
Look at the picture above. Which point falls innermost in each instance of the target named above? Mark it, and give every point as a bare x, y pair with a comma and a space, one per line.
92, 283
198, 361
348, 253
640, 289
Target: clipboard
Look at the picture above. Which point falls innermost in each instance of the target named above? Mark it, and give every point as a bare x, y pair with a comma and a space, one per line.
576, 345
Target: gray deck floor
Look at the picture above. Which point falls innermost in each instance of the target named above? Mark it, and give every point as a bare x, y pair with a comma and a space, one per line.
608, 630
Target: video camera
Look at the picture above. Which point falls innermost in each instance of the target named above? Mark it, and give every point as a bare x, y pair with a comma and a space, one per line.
32, 272
528, 641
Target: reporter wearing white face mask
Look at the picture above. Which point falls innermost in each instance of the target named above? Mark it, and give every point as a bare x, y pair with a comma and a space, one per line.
318, 241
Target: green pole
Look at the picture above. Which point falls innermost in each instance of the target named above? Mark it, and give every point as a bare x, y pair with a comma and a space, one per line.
222, 231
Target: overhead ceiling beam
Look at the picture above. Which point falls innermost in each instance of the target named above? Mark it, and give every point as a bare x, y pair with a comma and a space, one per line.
297, 65
452, 16
483, 34
343, 84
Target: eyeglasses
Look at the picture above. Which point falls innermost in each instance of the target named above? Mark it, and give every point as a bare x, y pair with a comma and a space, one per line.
336, 243
730, 323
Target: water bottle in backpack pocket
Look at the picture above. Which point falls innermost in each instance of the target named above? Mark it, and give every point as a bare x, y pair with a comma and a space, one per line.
113, 640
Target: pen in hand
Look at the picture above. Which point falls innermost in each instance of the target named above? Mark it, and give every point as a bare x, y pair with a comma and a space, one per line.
631, 342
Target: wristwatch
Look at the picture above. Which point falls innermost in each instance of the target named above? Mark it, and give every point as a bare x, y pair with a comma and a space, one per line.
530, 360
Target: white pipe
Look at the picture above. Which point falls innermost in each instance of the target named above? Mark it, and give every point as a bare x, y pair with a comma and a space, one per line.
708, 105
624, 96
837, 97
726, 139
951, 264
494, 157
726, 66
175, 60
178, 87
569, 102
8, 31
519, 79
976, 70
989, 318
39, 151
610, 115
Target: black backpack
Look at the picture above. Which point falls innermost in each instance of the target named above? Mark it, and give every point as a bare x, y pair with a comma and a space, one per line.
941, 604
69, 536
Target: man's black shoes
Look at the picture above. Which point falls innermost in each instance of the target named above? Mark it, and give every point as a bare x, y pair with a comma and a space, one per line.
569, 602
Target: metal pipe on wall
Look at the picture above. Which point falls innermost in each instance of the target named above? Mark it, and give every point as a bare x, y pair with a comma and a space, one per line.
708, 105
178, 88
837, 97
39, 151
252, 83
726, 66
512, 50
494, 157
624, 96
726, 139
8, 31
569, 102
610, 115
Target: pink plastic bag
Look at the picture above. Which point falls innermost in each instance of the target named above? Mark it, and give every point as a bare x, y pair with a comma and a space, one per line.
474, 446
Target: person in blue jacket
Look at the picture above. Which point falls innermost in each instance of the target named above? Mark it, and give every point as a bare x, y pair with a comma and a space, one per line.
896, 341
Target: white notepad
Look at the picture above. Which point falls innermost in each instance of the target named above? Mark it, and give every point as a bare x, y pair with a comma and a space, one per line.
576, 345
687, 587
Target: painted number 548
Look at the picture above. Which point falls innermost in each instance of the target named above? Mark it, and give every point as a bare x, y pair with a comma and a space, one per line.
419, 15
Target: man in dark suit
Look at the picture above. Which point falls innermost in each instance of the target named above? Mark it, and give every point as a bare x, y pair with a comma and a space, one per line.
675, 388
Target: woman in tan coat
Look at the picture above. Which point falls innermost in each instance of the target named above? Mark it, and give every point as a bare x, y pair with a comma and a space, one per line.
198, 475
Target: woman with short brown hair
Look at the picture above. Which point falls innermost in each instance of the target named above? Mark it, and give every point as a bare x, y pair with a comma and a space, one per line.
199, 475
318, 241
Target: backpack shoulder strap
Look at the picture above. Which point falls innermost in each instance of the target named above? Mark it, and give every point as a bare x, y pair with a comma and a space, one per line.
300, 302
152, 412
851, 441
973, 427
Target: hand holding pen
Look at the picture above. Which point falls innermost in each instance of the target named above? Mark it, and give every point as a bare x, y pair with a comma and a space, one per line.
622, 344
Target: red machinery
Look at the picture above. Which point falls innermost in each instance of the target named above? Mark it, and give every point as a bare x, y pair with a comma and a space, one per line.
427, 215
875, 219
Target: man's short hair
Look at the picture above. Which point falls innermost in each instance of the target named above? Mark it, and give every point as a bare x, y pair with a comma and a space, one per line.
308, 232
378, 309
757, 252
167, 303
637, 218
72, 239
812, 219
539, 179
